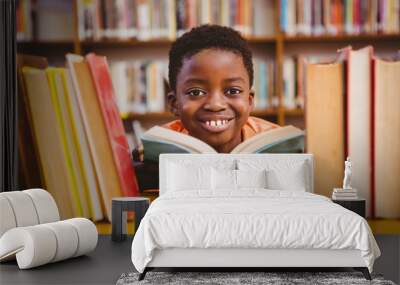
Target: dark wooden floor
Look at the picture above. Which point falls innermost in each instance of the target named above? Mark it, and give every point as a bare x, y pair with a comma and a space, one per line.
110, 260
102, 266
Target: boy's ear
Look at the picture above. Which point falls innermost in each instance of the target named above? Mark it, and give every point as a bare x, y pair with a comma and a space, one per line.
251, 99
172, 103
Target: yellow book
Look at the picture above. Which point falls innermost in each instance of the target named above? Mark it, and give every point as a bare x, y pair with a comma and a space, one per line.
100, 146
86, 168
67, 145
48, 140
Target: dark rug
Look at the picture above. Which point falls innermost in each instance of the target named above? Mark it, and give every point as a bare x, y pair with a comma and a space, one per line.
228, 278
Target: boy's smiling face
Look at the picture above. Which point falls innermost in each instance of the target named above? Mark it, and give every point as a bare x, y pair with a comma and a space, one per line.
213, 97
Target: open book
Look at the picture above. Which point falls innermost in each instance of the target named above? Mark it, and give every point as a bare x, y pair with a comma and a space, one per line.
159, 140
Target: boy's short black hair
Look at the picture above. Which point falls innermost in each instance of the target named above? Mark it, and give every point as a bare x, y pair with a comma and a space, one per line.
205, 37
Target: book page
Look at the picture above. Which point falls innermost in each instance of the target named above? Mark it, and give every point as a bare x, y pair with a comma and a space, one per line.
162, 134
265, 138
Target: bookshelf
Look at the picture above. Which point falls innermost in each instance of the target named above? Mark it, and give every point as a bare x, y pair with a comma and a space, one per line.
277, 46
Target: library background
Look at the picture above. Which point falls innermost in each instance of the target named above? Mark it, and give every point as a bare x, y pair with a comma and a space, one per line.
309, 57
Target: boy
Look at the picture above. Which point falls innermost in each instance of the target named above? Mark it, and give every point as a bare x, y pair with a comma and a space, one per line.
210, 77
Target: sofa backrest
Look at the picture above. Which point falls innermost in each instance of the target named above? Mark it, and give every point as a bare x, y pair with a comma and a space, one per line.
280, 163
26, 208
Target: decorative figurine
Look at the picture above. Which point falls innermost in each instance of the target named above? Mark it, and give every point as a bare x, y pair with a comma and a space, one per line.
347, 174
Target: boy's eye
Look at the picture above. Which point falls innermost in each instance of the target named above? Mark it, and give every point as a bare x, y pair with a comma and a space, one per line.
233, 91
195, 92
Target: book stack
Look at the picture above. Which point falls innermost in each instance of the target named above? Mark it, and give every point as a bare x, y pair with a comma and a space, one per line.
318, 17
79, 138
345, 194
347, 118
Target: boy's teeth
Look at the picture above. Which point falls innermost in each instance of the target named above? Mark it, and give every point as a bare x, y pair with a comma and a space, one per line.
217, 123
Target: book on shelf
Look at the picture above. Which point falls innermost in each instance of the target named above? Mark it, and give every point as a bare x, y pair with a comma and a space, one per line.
48, 137
115, 130
358, 118
30, 170
386, 138
307, 17
24, 20
77, 186
95, 129
159, 140
324, 118
85, 166
54, 20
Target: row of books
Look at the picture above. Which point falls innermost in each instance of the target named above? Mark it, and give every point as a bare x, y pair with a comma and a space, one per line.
148, 19
352, 110
44, 20
77, 134
316, 17
141, 86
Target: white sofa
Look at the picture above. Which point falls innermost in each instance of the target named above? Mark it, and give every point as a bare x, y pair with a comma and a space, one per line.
31, 231
287, 171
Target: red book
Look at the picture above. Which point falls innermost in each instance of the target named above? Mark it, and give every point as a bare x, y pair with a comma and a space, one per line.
119, 144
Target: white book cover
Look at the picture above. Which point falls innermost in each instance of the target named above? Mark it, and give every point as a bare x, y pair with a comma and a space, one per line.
119, 78
359, 120
71, 147
263, 18
291, 18
289, 82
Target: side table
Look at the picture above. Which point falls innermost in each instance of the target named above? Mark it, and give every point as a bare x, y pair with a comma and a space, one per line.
120, 207
357, 205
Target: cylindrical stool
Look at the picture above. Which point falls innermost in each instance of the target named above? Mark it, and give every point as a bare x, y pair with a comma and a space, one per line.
120, 206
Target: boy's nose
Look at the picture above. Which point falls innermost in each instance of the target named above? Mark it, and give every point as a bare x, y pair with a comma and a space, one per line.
215, 102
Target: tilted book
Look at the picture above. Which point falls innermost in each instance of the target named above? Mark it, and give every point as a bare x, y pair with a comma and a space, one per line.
159, 140
113, 123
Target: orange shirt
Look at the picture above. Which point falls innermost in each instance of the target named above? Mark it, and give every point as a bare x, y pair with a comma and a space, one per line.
253, 126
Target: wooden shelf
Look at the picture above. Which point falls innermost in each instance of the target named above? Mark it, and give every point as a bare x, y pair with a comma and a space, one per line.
294, 112
264, 113
342, 37
124, 42
116, 42
37, 43
149, 115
